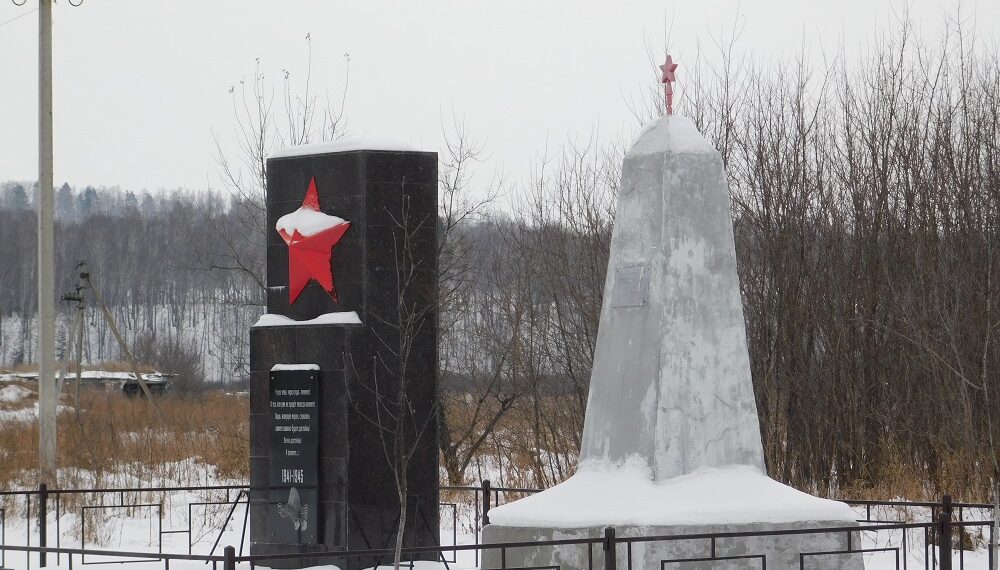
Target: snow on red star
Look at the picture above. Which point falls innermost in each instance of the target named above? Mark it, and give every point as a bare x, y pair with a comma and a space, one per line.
310, 236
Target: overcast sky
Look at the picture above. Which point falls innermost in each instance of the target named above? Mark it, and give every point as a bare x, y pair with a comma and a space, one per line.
141, 85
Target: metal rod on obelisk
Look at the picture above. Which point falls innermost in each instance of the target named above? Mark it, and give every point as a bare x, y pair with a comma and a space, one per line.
47, 396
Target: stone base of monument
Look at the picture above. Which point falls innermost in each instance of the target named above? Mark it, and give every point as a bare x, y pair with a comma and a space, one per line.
781, 551
711, 501
308, 434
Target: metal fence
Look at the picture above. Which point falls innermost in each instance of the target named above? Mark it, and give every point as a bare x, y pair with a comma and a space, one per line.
936, 533
603, 553
38, 504
484, 497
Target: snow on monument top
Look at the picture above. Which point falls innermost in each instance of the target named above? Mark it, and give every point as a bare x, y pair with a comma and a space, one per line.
670, 133
285, 367
341, 318
343, 145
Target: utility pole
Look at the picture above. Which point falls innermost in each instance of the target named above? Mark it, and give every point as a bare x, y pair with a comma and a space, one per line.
47, 393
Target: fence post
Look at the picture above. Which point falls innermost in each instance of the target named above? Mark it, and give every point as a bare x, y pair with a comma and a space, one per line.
944, 534
486, 502
43, 517
610, 561
229, 558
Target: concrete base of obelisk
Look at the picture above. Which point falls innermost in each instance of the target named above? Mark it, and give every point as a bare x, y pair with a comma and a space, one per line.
782, 552
735, 499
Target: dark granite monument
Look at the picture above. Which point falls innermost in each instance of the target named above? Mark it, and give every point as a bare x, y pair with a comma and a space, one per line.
351, 276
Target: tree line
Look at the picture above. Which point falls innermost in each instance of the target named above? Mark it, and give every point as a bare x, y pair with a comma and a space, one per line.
866, 200
152, 255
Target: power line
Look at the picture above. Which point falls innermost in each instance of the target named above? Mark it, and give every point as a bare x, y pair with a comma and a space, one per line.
18, 17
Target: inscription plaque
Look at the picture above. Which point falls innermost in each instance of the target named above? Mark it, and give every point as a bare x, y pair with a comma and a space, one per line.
631, 288
293, 502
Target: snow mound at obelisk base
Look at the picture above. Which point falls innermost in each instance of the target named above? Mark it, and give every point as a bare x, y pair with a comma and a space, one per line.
626, 495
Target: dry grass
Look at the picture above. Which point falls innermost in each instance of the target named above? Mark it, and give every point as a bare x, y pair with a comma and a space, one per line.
958, 472
537, 450
118, 441
534, 445
115, 440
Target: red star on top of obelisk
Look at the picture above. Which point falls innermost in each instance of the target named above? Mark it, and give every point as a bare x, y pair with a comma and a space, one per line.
667, 80
310, 236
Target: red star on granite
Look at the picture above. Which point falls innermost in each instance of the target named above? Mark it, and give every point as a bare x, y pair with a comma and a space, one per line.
310, 236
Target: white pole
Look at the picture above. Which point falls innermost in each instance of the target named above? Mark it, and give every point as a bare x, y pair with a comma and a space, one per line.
47, 396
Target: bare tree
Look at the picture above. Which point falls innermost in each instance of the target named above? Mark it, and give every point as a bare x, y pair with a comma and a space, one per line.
399, 406
264, 122
463, 211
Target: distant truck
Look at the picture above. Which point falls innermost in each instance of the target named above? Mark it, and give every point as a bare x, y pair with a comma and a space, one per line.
158, 382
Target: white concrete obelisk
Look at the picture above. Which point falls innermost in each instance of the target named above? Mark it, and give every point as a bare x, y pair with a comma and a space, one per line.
671, 441
671, 379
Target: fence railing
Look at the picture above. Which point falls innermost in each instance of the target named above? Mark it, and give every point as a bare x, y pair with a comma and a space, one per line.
603, 553
945, 517
38, 504
484, 497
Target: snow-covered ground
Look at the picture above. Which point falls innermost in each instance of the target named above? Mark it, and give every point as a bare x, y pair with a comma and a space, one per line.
918, 551
14, 394
137, 529
18, 401
172, 522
